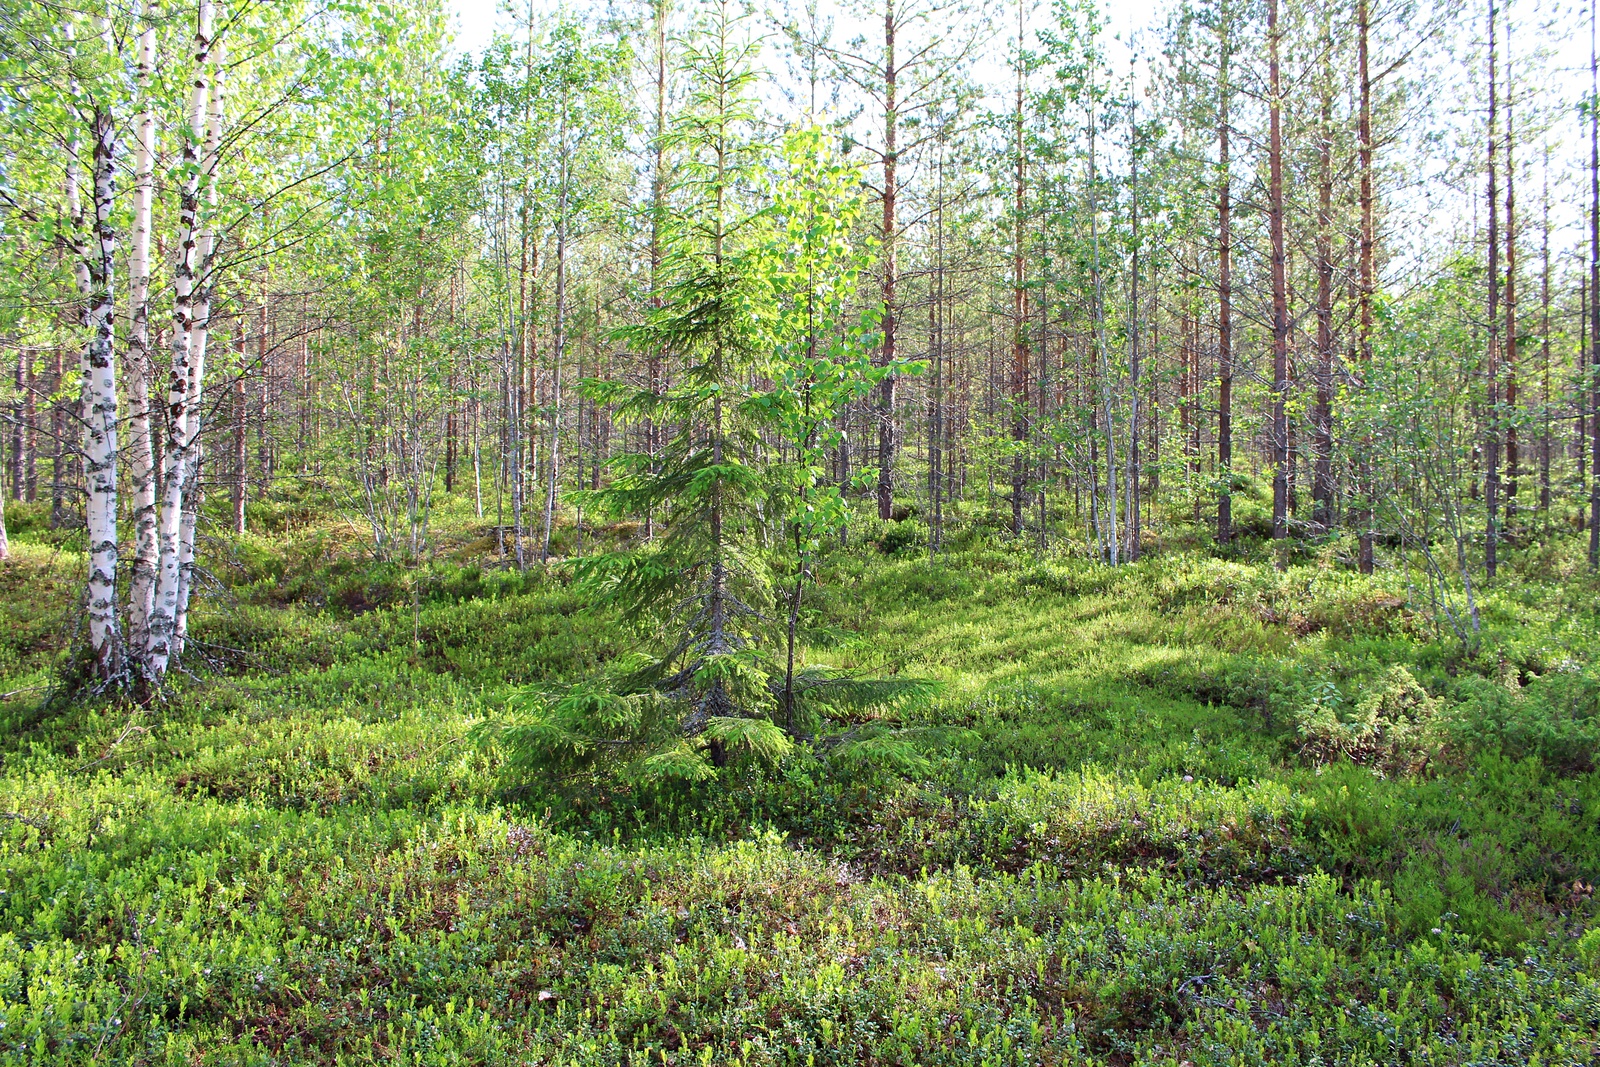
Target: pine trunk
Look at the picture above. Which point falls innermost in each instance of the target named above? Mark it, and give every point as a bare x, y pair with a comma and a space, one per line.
886, 388
1224, 311
1322, 409
1366, 280
1020, 358
1594, 297
1491, 451
1110, 536
1132, 507
1280, 305
1513, 457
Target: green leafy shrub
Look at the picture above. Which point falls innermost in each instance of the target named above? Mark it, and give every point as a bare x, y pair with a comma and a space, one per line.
303, 859
1393, 722
902, 536
1070, 578
927, 582
39, 598
1555, 717
1088, 821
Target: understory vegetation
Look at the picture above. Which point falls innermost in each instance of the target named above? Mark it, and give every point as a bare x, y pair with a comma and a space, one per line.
1192, 809
783, 534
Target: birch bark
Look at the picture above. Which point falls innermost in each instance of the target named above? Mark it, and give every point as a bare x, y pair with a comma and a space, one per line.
93, 267
188, 333
139, 366
99, 384
193, 495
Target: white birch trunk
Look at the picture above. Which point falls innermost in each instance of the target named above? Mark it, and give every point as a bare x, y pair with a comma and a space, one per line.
192, 499
93, 273
176, 460
99, 384
141, 445
210, 241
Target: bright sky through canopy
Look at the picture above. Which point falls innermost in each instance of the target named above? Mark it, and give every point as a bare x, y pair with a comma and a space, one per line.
475, 19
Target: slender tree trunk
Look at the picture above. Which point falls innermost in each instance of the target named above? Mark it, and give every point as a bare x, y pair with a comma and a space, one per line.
140, 362
1579, 400
560, 348
1280, 305
1133, 479
80, 311
60, 464
1225, 306
264, 437
194, 491
1188, 328
306, 386
1322, 410
522, 387
241, 451
1594, 297
719, 640
1106, 400
452, 417
1152, 489
887, 441
1544, 347
800, 526
1366, 279
1491, 452
936, 427
1042, 413
180, 454
30, 427
658, 207
502, 475
1094, 480
512, 462
518, 396
1513, 458
100, 409
20, 417
1020, 358
477, 442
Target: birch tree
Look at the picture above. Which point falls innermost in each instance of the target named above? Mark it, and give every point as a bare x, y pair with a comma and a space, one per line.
139, 365
96, 271
190, 326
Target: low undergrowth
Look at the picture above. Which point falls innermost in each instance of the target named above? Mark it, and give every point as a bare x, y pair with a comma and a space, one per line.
1192, 809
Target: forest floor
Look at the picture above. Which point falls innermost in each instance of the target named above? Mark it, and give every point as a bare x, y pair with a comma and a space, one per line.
1190, 810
